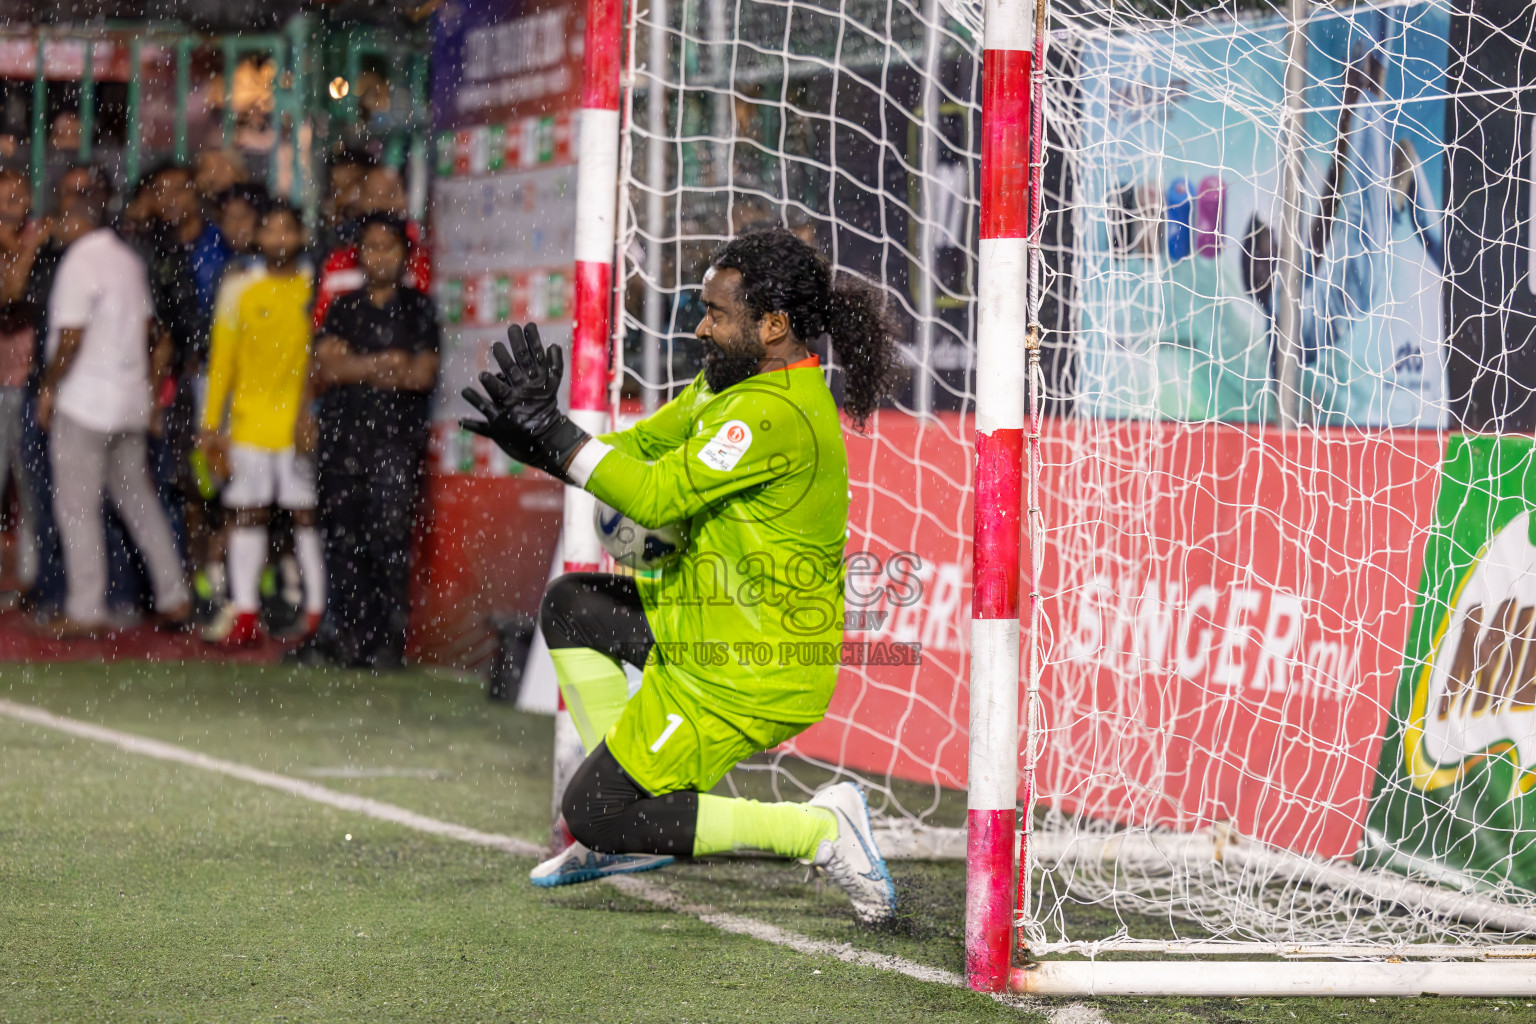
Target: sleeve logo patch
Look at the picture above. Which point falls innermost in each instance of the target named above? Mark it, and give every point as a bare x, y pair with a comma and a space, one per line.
727, 447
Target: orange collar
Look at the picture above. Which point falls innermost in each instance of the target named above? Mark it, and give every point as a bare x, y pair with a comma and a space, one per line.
811, 361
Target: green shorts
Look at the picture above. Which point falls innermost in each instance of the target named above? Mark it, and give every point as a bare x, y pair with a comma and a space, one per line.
667, 742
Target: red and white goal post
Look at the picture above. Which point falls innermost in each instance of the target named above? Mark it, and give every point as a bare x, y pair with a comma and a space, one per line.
592, 305
1222, 622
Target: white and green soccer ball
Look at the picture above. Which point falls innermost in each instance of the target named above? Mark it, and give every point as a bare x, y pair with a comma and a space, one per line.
638, 547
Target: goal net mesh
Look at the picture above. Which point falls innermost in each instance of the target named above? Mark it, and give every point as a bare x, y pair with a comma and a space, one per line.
853, 125
1288, 690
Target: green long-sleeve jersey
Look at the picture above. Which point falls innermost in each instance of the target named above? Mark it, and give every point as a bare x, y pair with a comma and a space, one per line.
750, 619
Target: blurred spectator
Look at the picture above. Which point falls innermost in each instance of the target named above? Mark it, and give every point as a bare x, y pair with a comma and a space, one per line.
171, 284
338, 210
64, 133
74, 221
177, 204
19, 242
77, 185
373, 99
382, 193
214, 173
377, 362
96, 401
175, 304
138, 213
240, 210
20, 237
259, 367
173, 293
61, 154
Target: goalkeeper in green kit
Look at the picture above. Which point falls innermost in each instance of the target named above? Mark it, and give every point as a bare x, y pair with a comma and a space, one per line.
738, 639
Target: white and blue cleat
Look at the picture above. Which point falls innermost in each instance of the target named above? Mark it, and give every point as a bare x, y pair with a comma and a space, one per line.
852, 859
576, 864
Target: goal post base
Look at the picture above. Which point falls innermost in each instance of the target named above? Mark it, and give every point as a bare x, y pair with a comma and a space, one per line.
1238, 978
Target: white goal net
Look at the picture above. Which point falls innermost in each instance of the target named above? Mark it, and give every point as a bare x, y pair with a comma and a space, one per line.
1288, 685
853, 124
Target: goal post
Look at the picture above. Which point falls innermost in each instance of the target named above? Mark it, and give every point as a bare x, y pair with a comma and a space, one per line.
1249, 662
1275, 979
1242, 735
1004, 310
597, 179
597, 144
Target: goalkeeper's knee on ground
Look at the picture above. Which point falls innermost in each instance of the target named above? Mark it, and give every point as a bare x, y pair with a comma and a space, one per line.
609, 812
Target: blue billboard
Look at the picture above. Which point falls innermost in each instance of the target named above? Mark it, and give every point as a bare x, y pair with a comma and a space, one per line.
1178, 166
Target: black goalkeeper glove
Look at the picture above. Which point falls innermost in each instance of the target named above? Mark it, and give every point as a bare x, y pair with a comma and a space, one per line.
521, 405
499, 424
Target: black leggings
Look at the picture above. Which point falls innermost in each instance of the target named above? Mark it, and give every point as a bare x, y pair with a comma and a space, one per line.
605, 809
597, 610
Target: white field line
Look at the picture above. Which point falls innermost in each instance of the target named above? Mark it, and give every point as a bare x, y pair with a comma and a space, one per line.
1075, 1013
351, 772
642, 889
630, 885
282, 783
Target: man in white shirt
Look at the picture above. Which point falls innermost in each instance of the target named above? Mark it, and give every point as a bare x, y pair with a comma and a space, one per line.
96, 401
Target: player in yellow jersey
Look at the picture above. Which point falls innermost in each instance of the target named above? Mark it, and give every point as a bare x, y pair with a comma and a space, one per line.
240, 209
258, 409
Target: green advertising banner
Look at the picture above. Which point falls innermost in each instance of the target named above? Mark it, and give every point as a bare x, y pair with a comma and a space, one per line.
1453, 796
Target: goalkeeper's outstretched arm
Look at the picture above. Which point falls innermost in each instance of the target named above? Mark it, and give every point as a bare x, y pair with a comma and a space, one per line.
768, 296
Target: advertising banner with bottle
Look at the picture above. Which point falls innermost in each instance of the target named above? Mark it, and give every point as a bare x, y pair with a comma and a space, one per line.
1454, 788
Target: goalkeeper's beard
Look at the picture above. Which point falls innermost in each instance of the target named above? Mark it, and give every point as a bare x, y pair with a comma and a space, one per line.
723, 369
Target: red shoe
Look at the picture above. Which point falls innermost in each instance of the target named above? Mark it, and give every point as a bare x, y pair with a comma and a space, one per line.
302, 628
234, 628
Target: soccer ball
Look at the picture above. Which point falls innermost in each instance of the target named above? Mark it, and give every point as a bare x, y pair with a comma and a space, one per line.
634, 545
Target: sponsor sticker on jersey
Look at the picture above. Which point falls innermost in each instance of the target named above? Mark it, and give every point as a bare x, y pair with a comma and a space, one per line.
727, 447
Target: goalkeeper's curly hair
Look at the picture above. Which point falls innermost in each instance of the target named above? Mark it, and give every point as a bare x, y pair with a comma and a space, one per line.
782, 274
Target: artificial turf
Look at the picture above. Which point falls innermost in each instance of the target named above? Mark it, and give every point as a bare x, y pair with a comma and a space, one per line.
132, 889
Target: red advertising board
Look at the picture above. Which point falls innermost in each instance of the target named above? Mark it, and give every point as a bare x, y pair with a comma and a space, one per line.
1226, 612
64, 59
908, 583
484, 550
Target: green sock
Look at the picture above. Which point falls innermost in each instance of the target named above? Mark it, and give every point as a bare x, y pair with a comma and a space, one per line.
791, 830
594, 688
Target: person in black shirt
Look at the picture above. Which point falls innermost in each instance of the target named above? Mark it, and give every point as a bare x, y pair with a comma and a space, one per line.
375, 366
173, 291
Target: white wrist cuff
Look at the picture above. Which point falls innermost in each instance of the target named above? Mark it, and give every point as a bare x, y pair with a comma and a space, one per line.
586, 460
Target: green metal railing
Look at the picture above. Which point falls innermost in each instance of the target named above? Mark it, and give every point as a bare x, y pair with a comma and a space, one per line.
306, 119
413, 65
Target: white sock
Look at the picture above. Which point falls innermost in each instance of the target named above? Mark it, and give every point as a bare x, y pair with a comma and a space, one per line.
216, 579
306, 548
247, 556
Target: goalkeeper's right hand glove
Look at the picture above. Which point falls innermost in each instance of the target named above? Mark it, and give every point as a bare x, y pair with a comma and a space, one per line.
500, 426
521, 404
